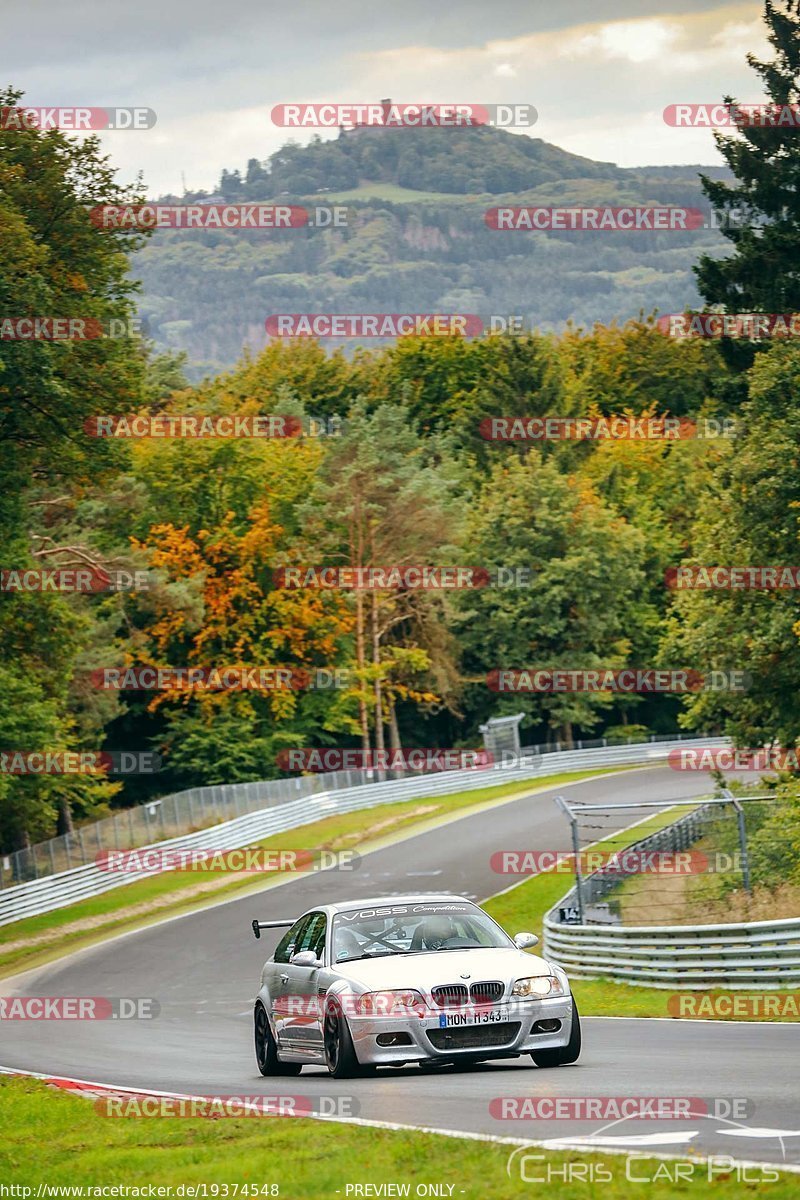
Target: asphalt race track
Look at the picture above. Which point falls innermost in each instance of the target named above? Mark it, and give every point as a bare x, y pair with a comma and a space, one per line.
203, 969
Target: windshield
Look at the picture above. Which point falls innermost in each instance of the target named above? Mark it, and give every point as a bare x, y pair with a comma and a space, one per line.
413, 929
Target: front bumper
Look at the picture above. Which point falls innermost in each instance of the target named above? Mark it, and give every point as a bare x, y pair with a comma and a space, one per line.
425, 1038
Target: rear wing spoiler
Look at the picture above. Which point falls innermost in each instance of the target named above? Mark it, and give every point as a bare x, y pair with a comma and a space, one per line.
259, 925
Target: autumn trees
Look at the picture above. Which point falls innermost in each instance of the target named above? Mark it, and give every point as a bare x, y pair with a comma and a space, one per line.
390, 469
55, 263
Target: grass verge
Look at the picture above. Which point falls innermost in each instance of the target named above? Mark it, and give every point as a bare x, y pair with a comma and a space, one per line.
36, 940
393, 192
50, 1137
706, 898
524, 906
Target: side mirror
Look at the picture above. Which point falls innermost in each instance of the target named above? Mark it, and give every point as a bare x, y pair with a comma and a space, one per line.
306, 958
524, 940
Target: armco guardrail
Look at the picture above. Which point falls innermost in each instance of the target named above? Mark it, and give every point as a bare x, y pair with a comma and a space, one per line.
754, 954
56, 891
196, 808
745, 955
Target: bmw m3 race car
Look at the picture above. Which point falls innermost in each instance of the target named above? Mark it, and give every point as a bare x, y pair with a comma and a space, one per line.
425, 979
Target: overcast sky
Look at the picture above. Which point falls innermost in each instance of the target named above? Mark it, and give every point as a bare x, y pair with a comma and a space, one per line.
600, 73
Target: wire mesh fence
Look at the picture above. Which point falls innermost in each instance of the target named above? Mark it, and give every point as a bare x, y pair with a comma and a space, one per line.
683, 929
677, 866
200, 808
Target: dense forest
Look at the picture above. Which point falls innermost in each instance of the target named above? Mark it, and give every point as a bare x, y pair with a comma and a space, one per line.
390, 465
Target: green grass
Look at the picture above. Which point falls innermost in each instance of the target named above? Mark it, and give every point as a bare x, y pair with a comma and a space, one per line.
394, 193
524, 908
533, 898
137, 904
50, 1137
521, 908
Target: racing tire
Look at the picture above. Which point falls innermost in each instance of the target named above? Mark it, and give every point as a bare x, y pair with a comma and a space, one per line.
562, 1056
266, 1050
340, 1054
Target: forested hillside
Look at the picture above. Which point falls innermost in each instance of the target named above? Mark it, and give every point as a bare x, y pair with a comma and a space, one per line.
417, 241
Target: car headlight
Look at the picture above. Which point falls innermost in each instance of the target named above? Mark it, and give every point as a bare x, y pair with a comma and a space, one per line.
397, 1003
533, 987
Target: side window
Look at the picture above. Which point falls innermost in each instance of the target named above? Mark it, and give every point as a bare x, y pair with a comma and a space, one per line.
312, 937
318, 942
288, 943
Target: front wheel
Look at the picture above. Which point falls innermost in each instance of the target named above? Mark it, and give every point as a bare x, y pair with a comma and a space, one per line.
266, 1050
340, 1054
562, 1056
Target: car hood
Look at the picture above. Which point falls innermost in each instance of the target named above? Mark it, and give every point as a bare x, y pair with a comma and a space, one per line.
441, 967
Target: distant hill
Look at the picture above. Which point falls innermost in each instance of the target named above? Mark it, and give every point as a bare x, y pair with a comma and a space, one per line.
461, 161
417, 240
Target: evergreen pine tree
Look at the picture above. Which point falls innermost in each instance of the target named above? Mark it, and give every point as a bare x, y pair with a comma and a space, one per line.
763, 274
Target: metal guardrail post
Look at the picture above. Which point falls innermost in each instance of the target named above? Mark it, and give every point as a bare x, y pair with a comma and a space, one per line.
565, 808
728, 794
743, 846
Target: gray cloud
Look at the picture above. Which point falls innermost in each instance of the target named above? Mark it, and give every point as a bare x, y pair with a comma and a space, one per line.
213, 71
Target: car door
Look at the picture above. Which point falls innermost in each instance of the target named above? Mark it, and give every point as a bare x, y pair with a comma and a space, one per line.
277, 977
303, 1028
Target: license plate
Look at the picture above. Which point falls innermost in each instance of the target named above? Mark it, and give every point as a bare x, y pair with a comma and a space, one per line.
473, 1016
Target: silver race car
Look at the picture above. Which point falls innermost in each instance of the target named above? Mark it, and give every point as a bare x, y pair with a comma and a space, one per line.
422, 979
